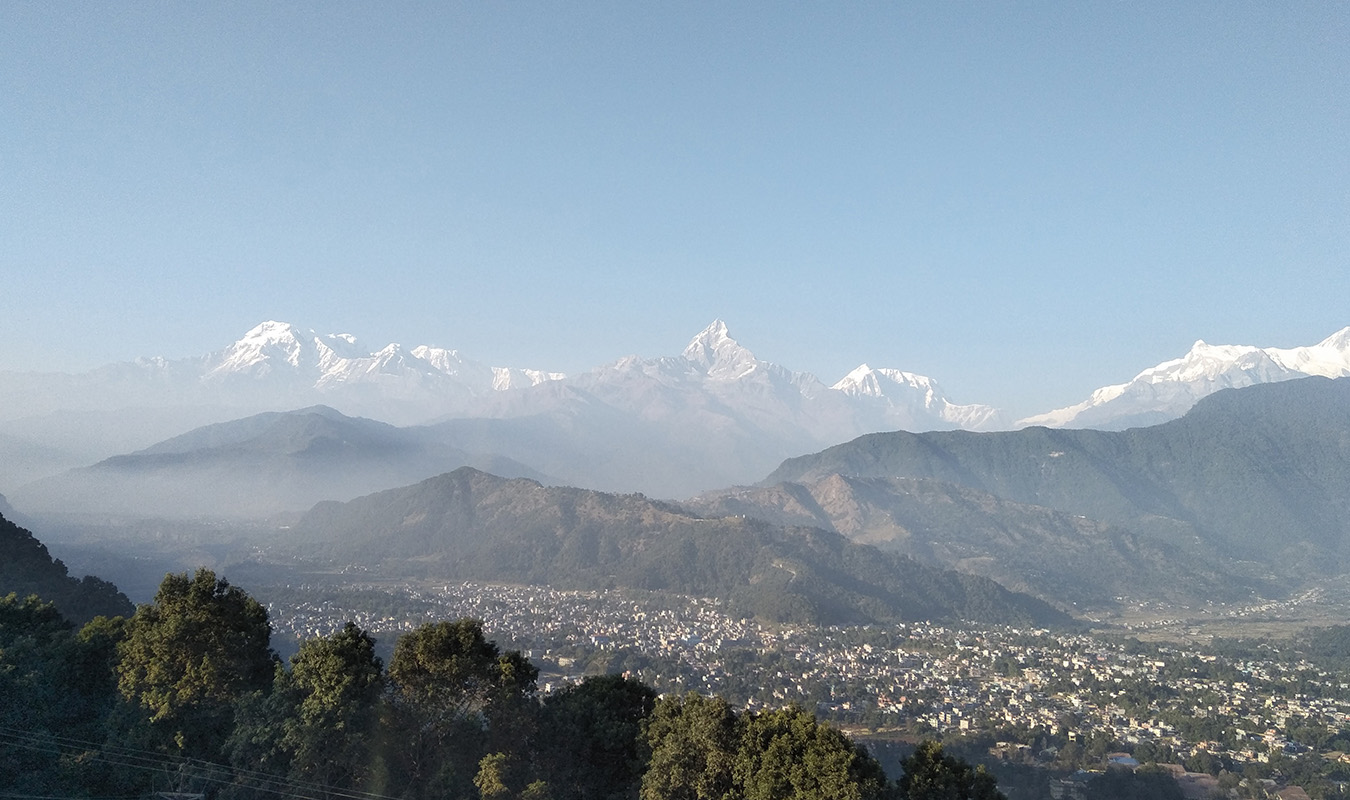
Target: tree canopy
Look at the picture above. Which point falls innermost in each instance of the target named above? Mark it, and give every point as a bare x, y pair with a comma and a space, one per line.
188, 695
930, 774
702, 749
189, 655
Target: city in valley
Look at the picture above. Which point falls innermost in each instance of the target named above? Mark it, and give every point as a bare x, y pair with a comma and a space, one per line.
1254, 716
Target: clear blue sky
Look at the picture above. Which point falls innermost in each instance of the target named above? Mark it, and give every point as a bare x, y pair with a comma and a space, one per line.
1024, 201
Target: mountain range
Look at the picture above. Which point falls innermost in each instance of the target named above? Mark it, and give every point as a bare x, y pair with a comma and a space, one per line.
671, 426
1243, 495
1252, 479
468, 525
1073, 560
1167, 391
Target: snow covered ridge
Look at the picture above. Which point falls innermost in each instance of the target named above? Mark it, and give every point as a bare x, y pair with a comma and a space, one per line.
278, 365
281, 351
278, 356
717, 367
921, 394
1169, 390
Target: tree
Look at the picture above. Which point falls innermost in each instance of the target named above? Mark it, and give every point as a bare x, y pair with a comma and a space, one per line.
701, 750
451, 667
694, 741
492, 777
58, 682
929, 774
788, 755
35, 645
591, 744
191, 655
451, 689
336, 682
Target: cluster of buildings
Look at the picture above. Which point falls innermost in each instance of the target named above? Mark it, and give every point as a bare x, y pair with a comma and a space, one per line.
1004, 683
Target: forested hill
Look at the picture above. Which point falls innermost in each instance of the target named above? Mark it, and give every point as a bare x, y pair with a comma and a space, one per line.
471, 525
27, 568
1258, 473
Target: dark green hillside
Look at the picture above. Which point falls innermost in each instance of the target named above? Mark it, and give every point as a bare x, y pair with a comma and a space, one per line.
27, 568
1261, 473
470, 525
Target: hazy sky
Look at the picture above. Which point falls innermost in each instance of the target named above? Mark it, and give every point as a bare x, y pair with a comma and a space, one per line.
1024, 201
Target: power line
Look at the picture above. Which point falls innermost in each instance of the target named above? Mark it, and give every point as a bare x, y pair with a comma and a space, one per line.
16, 796
151, 761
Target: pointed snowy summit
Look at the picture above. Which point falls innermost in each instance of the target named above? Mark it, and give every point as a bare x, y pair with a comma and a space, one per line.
718, 355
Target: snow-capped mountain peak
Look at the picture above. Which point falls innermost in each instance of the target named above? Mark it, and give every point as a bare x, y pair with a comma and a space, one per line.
1329, 358
1338, 341
285, 354
912, 400
864, 381
508, 378
1169, 389
264, 349
860, 381
715, 353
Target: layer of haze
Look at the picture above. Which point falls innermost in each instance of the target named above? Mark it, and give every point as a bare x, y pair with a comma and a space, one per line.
1023, 201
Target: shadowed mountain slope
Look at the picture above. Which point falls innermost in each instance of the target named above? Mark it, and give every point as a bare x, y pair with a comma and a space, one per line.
27, 568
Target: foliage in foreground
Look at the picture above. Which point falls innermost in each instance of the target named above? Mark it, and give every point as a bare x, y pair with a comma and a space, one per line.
187, 696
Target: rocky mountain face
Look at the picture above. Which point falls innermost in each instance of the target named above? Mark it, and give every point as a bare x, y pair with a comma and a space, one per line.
468, 525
